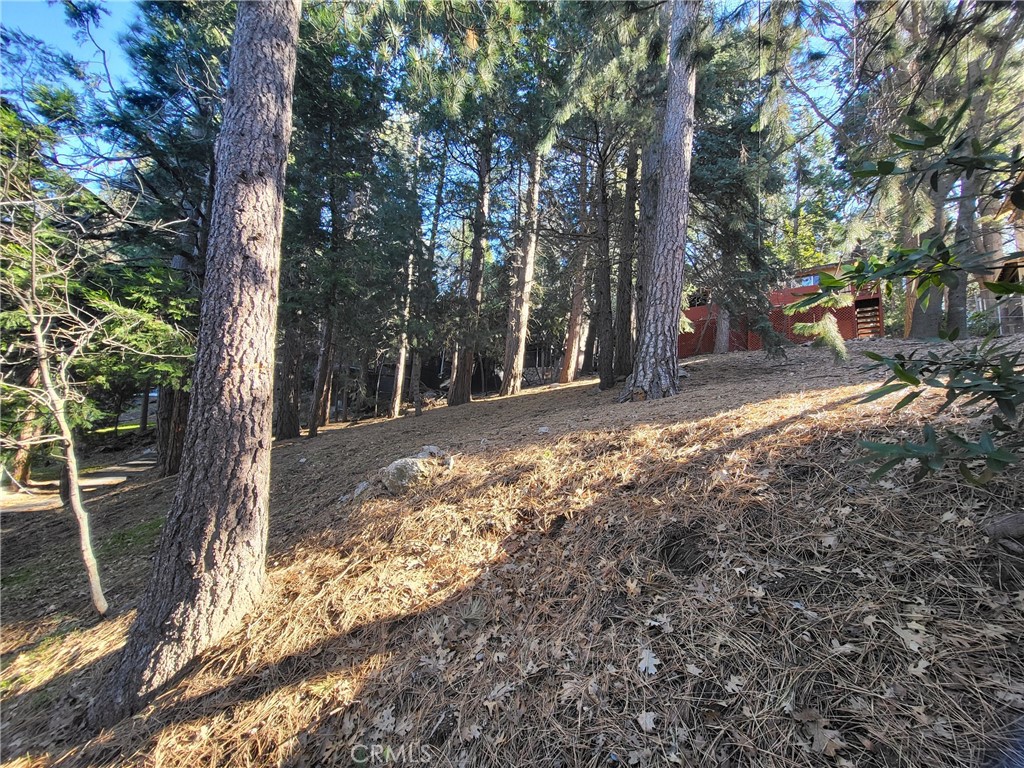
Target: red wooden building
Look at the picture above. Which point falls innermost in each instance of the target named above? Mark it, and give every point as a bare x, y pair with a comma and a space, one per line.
862, 319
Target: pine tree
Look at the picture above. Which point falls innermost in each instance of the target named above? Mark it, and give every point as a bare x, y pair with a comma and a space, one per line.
209, 570
655, 371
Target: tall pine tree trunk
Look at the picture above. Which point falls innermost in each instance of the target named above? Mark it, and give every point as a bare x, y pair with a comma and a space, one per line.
979, 84
210, 567
722, 328
519, 301
967, 211
395, 407
908, 240
603, 325
624, 320
990, 243
926, 315
171, 419
655, 372
426, 277
577, 286
415, 390
590, 340
322, 377
462, 378
289, 389
574, 336
649, 161
403, 336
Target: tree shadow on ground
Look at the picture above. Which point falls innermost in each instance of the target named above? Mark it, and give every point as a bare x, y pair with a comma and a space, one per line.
593, 570
69, 685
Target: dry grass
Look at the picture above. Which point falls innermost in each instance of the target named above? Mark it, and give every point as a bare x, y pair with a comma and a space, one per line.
704, 581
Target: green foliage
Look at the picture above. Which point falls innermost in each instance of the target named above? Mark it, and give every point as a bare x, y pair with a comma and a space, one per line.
825, 333
72, 312
988, 377
734, 264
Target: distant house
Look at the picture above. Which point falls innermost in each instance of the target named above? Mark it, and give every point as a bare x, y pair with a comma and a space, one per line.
863, 319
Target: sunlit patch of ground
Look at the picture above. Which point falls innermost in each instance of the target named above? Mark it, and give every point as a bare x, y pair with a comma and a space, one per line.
705, 580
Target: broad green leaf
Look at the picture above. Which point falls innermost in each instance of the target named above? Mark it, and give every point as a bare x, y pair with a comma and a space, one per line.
909, 144
1005, 289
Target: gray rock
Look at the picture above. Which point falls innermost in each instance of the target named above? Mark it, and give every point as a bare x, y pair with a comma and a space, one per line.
361, 488
399, 475
428, 451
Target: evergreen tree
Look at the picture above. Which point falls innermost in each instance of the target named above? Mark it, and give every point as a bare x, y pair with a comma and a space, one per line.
210, 567
655, 371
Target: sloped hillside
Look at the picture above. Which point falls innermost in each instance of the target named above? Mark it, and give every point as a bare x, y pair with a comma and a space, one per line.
709, 580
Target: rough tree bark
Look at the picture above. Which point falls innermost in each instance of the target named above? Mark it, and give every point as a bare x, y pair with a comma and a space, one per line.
289, 388
415, 390
590, 340
648, 204
926, 315
210, 567
578, 284
967, 211
625, 322
574, 336
655, 371
519, 301
722, 328
321, 379
461, 387
171, 419
603, 274
979, 83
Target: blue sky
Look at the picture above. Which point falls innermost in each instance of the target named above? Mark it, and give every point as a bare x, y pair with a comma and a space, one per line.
45, 21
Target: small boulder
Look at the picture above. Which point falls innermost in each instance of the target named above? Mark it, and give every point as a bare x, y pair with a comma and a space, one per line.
399, 475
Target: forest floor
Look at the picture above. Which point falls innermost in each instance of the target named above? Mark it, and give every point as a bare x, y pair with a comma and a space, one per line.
707, 580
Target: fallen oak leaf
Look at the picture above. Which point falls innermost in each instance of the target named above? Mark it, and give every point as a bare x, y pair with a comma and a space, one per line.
913, 639
646, 721
735, 684
825, 740
648, 661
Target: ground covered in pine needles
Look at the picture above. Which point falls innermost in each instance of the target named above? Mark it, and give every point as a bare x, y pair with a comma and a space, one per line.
709, 580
